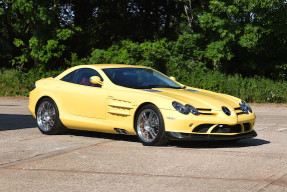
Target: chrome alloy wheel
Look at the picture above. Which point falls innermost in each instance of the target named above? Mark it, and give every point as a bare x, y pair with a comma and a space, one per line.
148, 125
46, 116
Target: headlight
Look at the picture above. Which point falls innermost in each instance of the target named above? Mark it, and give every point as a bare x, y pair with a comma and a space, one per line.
192, 109
180, 107
245, 107
185, 109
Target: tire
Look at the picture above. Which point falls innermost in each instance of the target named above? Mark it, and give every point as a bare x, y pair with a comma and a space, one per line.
47, 116
149, 126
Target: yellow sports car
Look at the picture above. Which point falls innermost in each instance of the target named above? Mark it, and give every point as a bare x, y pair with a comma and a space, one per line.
137, 100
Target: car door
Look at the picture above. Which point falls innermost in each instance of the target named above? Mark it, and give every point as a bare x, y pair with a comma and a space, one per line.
80, 97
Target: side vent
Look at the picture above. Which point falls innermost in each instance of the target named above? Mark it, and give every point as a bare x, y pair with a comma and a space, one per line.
121, 131
119, 108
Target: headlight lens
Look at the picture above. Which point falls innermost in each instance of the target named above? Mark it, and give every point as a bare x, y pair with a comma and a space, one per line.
245, 107
180, 107
185, 109
192, 109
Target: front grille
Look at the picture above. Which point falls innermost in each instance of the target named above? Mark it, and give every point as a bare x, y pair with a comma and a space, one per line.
203, 128
246, 127
227, 129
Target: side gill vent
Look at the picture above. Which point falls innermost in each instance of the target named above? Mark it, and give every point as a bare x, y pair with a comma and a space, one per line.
204, 111
121, 131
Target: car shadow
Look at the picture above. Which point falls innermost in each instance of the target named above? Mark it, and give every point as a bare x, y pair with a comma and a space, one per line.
220, 144
93, 134
179, 144
15, 121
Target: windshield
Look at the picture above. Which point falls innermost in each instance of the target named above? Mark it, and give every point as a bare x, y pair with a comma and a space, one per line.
139, 78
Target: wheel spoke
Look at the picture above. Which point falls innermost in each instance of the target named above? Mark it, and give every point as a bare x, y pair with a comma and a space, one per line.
46, 107
45, 125
154, 123
152, 133
146, 135
144, 117
51, 123
51, 114
150, 116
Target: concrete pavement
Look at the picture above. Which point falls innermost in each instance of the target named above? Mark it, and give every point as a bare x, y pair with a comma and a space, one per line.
90, 161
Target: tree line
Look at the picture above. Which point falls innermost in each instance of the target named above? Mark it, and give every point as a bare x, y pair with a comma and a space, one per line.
247, 37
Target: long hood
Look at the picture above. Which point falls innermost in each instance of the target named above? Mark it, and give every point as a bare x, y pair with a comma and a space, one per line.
200, 98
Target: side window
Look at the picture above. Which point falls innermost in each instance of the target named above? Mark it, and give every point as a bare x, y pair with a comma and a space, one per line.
69, 77
82, 77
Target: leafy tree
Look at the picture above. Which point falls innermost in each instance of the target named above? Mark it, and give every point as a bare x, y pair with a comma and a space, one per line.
230, 36
38, 34
106, 22
246, 36
6, 33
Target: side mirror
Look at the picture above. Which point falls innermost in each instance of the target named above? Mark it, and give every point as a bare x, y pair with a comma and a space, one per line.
96, 80
172, 78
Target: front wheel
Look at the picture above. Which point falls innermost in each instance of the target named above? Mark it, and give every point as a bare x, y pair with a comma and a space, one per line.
48, 118
150, 126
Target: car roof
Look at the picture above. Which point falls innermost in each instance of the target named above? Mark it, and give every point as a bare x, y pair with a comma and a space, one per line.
98, 66
105, 66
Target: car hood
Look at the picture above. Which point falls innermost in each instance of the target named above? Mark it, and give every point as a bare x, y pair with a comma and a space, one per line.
200, 98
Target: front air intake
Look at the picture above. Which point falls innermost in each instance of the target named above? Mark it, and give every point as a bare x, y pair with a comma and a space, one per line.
227, 129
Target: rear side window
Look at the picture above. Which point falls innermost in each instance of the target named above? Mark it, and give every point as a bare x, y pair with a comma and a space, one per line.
82, 77
69, 77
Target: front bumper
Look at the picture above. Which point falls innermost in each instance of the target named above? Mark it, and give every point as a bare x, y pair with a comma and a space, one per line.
191, 136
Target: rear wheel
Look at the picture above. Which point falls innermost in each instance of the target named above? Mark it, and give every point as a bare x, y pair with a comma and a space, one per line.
150, 126
48, 117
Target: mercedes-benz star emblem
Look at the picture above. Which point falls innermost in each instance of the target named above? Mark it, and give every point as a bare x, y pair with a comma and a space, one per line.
226, 111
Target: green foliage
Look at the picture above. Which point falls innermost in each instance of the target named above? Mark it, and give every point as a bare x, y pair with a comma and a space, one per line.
148, 54
39, 38
222, 40
255, 89
74, 61
176, 59
43, 50
246, 36
251, 37
10, 83
16, 83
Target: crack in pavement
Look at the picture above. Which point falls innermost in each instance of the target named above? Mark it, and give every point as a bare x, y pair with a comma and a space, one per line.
42, 156
270, 180
136, 174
